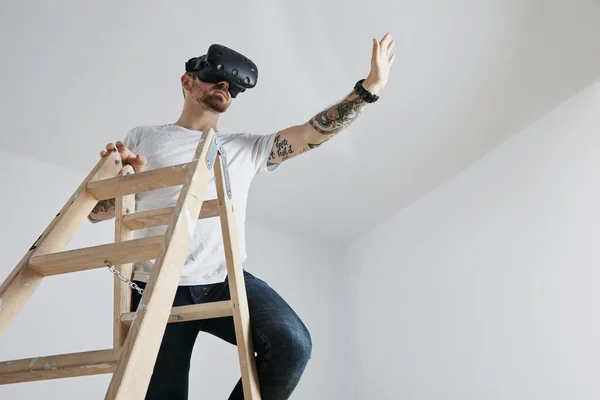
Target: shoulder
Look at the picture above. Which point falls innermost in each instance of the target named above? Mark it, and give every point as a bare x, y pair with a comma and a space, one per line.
136, 133
144, 130
245, 138
253, 147
254, 144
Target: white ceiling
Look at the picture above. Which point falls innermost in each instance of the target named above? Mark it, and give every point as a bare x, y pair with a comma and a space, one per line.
468, 74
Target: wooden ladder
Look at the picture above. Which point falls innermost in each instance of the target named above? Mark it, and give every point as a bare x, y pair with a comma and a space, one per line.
137, 335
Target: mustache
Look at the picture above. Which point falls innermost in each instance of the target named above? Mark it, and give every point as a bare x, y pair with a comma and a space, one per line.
223, 91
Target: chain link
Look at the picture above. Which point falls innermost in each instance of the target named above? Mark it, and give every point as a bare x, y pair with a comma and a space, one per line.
132, 284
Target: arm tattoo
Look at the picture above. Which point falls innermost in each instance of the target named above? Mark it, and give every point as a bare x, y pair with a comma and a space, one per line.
284, 149
328, 123
338, 116
103, 206
312, 146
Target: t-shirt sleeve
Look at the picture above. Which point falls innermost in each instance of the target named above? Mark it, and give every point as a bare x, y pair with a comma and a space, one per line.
261, 146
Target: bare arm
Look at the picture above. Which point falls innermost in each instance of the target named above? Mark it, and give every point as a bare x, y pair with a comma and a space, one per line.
298, 139
104, 210
322, 127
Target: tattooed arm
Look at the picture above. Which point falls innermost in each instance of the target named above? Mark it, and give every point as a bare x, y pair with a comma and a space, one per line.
298, 139
105, 209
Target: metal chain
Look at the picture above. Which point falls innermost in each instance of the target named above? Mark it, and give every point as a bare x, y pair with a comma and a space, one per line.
132, 284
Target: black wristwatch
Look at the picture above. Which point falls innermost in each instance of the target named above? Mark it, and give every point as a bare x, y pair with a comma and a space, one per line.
364, 93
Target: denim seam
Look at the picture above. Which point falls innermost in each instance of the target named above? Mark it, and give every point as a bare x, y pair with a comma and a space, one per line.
259, 333
263, 365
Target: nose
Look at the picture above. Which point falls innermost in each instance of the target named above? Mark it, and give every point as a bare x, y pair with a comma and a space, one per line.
224, 84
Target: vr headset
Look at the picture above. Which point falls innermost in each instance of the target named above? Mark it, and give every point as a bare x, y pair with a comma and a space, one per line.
221, 63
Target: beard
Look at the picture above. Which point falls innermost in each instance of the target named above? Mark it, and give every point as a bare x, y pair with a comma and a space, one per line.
216, 102
210, 99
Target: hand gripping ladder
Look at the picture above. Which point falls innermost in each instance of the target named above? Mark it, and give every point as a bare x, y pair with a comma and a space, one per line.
137, 335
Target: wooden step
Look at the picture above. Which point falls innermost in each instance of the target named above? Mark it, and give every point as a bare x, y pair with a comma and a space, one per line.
140, 182
93, 257
192, 312
161, 216
59, 366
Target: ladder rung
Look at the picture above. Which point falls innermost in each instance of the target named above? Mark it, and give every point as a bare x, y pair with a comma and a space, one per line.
140, 182
93, 257
161, 216
59, 366
192, 312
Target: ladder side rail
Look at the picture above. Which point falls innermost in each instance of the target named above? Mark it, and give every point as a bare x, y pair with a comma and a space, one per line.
21, 283
134, 368
237, 287
124, 205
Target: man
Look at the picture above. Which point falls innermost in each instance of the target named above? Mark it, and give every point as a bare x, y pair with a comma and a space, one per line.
280, 339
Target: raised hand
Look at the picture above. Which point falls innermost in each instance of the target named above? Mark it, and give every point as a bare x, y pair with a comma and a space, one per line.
381, 62
137, 161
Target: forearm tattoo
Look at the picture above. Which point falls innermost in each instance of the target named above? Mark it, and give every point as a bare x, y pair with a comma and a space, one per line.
104, 206
337, 117
312, 146
328, 123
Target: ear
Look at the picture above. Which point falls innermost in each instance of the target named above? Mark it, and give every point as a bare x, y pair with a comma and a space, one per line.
186, 82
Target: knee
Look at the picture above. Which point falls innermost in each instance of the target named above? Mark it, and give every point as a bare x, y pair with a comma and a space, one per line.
302, 344
295, 344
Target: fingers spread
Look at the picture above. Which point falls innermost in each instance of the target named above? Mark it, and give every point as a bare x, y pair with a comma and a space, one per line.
375, 47
391, 46
385, 41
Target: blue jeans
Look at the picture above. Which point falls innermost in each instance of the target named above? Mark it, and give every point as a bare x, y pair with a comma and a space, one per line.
281, 341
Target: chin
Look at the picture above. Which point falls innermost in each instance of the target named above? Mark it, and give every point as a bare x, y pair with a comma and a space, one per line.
217, 103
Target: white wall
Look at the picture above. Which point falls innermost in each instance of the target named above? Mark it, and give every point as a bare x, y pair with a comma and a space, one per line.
488, 287
485, 288
73, 312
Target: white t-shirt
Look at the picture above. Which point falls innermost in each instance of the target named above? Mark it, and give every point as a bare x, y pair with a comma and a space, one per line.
167, 145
